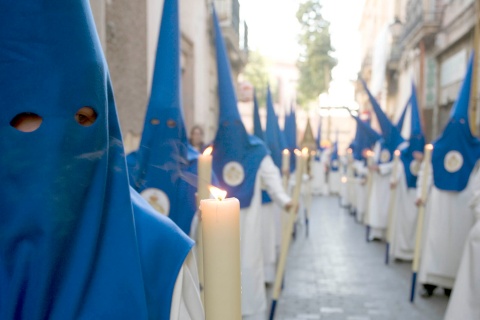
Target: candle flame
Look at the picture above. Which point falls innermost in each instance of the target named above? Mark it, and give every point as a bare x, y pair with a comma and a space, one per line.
344, 179
217, 193
397, 153
298, 152
429, 146
208, 151
305, 151
349, 150
370, 153
285, 151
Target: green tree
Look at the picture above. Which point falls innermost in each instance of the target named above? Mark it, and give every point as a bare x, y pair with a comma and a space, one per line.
315, 62
256, 72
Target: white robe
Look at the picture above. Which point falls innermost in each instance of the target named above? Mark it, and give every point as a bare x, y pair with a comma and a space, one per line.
186, 301
254, 300
361, 189
334, 181
269, 213
318, 171
464, 302
378, 199
448, 220
404, 217
351, 186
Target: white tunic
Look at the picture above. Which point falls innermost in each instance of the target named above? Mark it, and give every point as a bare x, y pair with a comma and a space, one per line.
448, 219
269, 212
378, 199
319, 181
464, 302
404, 217
334, 181
186, 301
361, 189
254, 300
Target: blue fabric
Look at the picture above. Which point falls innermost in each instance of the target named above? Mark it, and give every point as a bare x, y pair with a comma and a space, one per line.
456, 137
232, 143
334, 162
391, 135
416, 142
318, 140
290, 132
164, 160
400, 122
68, 248
257, 124
365, 138
163, 249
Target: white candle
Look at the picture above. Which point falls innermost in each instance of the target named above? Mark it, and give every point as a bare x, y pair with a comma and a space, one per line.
221, 256
204, 171
421, 209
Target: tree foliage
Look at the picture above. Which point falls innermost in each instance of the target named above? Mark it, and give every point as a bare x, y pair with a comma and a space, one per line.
315, 62
257, 73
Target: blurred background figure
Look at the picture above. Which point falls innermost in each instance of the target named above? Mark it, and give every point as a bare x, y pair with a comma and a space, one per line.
196, 138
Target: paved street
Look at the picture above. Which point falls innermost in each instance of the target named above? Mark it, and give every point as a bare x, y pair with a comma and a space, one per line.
335, 274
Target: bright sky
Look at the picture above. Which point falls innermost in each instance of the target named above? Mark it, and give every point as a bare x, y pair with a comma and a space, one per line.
273, 30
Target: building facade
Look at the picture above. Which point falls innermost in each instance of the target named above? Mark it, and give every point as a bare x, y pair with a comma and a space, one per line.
129, 34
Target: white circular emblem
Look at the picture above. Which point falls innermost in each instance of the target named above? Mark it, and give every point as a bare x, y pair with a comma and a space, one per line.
233, 174
414, 167
453, 161
157, 199
384, 156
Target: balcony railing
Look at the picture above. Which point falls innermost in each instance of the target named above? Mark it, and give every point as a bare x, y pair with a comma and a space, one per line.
423, 18
228, 12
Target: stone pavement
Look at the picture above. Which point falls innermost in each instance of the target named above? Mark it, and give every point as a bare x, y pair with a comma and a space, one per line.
335, 274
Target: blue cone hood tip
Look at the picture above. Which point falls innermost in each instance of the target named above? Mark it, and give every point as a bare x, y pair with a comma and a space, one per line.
236, 154
456, 151
166, 163
391, 136
416, 141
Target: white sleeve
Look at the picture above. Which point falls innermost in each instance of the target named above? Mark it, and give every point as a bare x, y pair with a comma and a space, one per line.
271, 179
360, 168
186, 301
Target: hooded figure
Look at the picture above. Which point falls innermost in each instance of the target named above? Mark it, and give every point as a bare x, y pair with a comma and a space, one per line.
404, 213
379, 197
365, 138
463, 303
319, 165
242, 164
166, 165
271, 212
448, 219
257, 124
68, 240
334, 168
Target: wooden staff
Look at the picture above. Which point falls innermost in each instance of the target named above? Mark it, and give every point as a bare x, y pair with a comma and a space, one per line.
421, 213
287, 235
391, 205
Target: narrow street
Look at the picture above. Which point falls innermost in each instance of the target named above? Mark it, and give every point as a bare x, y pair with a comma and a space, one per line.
335, 274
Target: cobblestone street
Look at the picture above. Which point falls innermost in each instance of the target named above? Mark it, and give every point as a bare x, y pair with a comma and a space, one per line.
335, 274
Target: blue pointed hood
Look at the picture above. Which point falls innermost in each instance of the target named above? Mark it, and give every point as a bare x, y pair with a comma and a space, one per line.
401, 120
236, 155
68, 248
257, 124
391, 136
334, 162
273, 134
416, 142
165, 161
365, 138
290, 132
318, 139
456, 151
